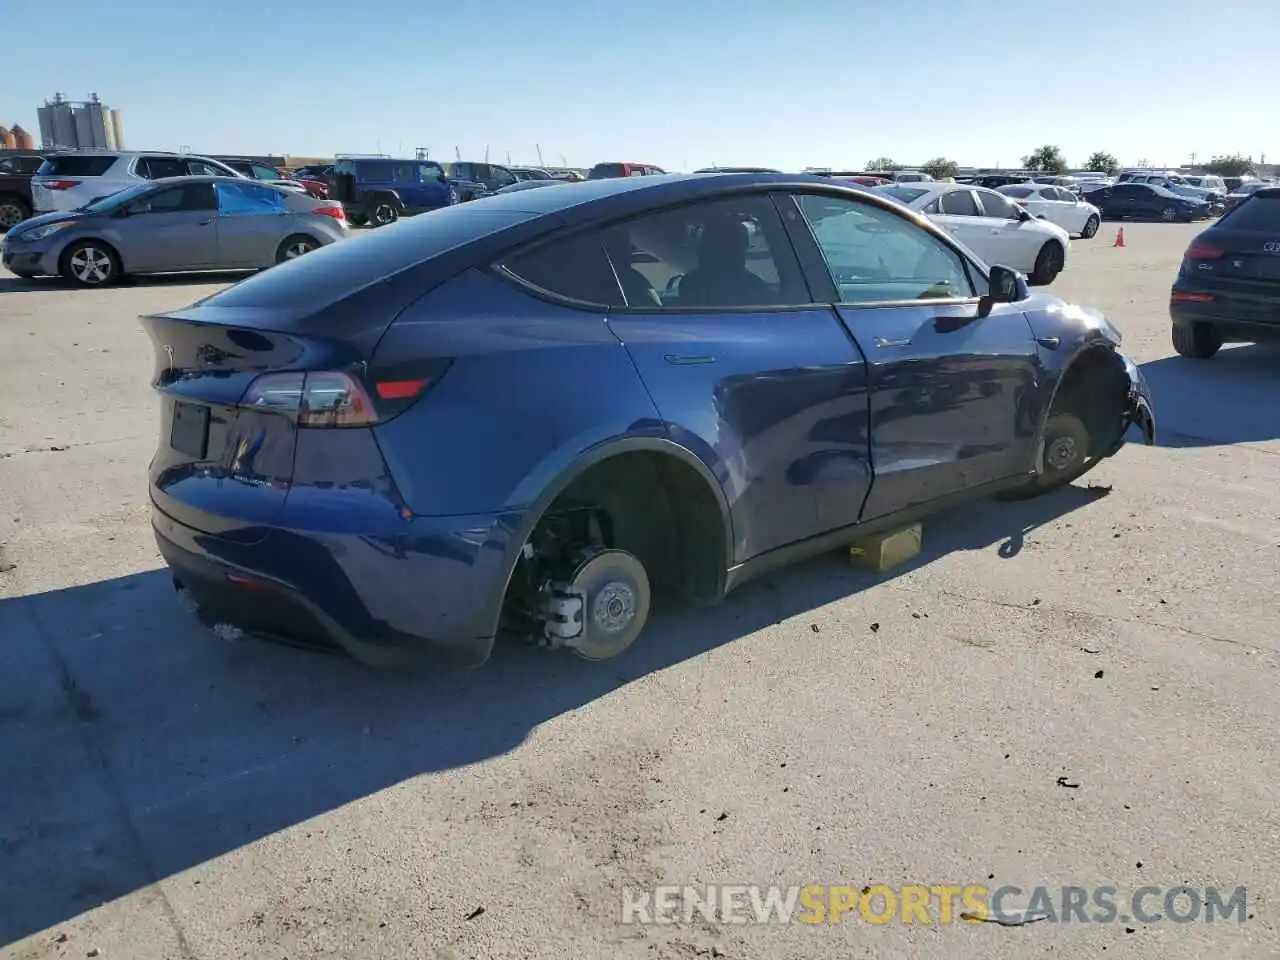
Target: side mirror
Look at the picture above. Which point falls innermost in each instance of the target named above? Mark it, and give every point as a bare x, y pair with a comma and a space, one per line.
136, 208
1024, 215
1007, 286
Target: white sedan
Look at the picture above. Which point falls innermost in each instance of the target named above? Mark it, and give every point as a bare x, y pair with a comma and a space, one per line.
991, 225
1076, 216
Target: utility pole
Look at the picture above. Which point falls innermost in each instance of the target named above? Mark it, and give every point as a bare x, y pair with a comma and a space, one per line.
538, 147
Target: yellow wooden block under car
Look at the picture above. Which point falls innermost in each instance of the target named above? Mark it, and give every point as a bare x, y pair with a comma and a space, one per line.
889, 549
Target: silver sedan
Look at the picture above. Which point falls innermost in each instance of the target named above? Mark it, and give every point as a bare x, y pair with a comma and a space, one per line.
174, 225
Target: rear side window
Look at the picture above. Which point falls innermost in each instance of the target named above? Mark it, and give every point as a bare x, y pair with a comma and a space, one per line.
348, 267
1256, 213
373, 171
1020, 192
76, 166
247, 199
157, 168
576, 268
959, 203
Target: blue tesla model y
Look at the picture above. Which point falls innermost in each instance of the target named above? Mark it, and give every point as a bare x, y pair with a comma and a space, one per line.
532, 411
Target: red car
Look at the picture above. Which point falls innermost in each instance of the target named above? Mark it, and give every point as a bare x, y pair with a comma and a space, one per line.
267, 173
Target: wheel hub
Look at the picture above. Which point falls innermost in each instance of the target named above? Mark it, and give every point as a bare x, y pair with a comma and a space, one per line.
1061, 453
614, 607
600, 609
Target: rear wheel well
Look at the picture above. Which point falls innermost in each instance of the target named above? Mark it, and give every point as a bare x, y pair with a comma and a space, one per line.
651, 504
1095, 390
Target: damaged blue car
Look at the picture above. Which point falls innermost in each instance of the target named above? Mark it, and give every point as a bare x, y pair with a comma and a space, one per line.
535, 411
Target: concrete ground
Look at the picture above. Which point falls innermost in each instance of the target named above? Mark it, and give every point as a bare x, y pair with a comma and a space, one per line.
1078, 691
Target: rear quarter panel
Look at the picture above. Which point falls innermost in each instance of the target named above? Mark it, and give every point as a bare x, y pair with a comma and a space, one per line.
533, 386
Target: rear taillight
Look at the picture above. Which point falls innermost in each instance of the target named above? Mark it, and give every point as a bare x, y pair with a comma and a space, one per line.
336, 211
335, 399
59, 184
1203, 251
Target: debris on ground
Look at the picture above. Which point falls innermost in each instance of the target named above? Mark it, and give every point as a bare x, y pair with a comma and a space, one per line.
1099, 490
475, 913
1065, 782
1001, 920
1098, 675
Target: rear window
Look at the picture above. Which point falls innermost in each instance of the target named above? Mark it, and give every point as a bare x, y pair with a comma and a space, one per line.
903, 194
1256, 213
1020, 192
340, 269
602, 170
76, 166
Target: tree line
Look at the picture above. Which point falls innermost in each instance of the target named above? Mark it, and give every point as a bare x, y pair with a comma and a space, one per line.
1049, 159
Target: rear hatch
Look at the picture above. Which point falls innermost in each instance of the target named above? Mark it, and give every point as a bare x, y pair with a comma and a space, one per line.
242, 371
59, 174
1242, 251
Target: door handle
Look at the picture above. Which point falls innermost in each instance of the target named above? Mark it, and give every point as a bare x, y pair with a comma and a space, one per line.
898, 342
206, 221
1049, 343
684, 361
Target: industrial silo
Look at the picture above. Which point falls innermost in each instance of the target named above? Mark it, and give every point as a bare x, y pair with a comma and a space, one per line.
7, 140
21, 139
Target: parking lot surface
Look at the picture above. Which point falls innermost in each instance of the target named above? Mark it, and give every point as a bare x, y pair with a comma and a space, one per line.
1078, 690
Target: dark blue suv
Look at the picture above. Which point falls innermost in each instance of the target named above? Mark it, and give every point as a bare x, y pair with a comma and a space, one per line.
379, 191
535, 410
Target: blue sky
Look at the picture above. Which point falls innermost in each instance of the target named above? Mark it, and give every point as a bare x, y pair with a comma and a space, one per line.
678, 84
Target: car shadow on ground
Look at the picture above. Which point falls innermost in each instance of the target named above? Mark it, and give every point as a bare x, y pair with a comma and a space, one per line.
41, 284
1232, 398
135, 745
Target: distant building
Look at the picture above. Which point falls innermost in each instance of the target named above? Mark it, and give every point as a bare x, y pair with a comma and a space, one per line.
87, 125
21, 139
7, 140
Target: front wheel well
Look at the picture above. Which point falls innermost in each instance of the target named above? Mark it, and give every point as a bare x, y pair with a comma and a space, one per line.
1095, 389
110, 248
650, 504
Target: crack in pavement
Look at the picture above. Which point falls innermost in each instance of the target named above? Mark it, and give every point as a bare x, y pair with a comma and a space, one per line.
62, 448
1113, 618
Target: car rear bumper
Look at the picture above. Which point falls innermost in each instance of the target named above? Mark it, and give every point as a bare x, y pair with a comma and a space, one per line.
433, 592
1238, 315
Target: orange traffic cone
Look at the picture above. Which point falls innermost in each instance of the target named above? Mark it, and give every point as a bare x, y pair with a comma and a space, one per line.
1119, 238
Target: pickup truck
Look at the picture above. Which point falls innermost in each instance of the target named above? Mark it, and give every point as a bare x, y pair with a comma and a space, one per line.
380, 190
16, 171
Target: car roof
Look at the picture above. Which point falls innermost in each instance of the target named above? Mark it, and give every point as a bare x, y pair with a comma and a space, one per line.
588, 198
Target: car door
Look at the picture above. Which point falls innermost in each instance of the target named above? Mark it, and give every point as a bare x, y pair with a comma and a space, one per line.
1014, 242
960, 215
745, 370
252, 222
951, 379
433, 185
170, 230
499, 177
1066, 209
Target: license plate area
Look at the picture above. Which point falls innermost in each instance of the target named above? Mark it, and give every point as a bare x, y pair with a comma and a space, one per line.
189, 434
